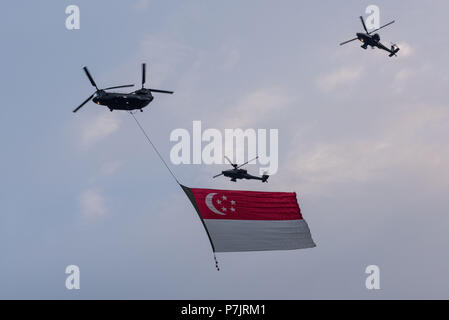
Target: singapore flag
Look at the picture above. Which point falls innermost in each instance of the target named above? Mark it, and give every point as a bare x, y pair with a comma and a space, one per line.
251, 220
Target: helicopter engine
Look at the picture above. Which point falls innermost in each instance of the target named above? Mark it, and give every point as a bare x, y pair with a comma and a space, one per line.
376, 37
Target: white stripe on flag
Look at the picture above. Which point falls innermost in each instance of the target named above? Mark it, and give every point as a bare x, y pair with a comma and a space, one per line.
257, 235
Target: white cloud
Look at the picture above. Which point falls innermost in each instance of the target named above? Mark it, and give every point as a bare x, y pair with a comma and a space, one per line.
231, 58
410, 143
142, 4
166, 57
110, 168
97, 128
257, 106
403, 74
401, 78
340, 77
406, 50
92, 204
349, 160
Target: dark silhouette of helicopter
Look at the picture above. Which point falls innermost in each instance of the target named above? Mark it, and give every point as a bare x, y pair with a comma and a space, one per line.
237, 173
373, 40
138, 99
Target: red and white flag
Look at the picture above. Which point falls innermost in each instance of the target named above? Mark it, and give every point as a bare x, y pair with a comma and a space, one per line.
251, 220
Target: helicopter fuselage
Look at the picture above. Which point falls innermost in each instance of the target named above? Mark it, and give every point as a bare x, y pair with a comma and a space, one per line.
368, 39
235, 174
138, 99
123, 101
373, 40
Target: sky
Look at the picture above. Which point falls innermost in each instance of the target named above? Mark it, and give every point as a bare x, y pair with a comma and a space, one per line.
362, 141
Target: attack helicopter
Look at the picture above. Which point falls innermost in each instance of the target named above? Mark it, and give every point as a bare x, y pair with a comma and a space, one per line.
136, 100
237, 173
373, 40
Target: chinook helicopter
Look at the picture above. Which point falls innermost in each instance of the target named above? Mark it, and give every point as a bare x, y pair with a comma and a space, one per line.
237, 173
373, 40
138, 99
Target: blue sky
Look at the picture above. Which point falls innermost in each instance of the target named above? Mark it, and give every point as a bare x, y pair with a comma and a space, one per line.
363, 141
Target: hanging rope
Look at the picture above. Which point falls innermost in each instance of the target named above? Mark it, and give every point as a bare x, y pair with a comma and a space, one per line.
168, 168
216, 262
154, 147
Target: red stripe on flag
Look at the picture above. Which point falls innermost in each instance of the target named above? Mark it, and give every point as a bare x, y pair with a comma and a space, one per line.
246, 205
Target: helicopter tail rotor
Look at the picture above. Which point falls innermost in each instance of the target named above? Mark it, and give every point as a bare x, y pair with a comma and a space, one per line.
394, 50
265, 177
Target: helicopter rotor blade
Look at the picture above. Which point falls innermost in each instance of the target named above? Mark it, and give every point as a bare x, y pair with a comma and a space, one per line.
143, 73
345, 42
363, 23
161, 91
82, 104
217, 175
116, 87
230, 162
90, 77
247, 162
381, 27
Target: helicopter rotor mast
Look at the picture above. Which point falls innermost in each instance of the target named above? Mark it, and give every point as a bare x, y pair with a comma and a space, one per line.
235, 165
143, 73
247, 162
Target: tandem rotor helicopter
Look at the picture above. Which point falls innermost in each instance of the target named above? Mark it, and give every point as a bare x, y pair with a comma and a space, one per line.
138, 99
373, 40
237, 173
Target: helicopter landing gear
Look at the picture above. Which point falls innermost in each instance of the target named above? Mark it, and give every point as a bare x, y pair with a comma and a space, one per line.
110, 109
141, 110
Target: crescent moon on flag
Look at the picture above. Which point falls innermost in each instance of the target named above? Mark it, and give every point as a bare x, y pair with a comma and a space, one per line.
210, 204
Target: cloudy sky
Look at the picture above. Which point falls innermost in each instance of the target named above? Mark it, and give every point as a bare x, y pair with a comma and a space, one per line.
363, 140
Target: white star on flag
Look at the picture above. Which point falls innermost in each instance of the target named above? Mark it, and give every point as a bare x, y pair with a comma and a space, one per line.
224, 204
